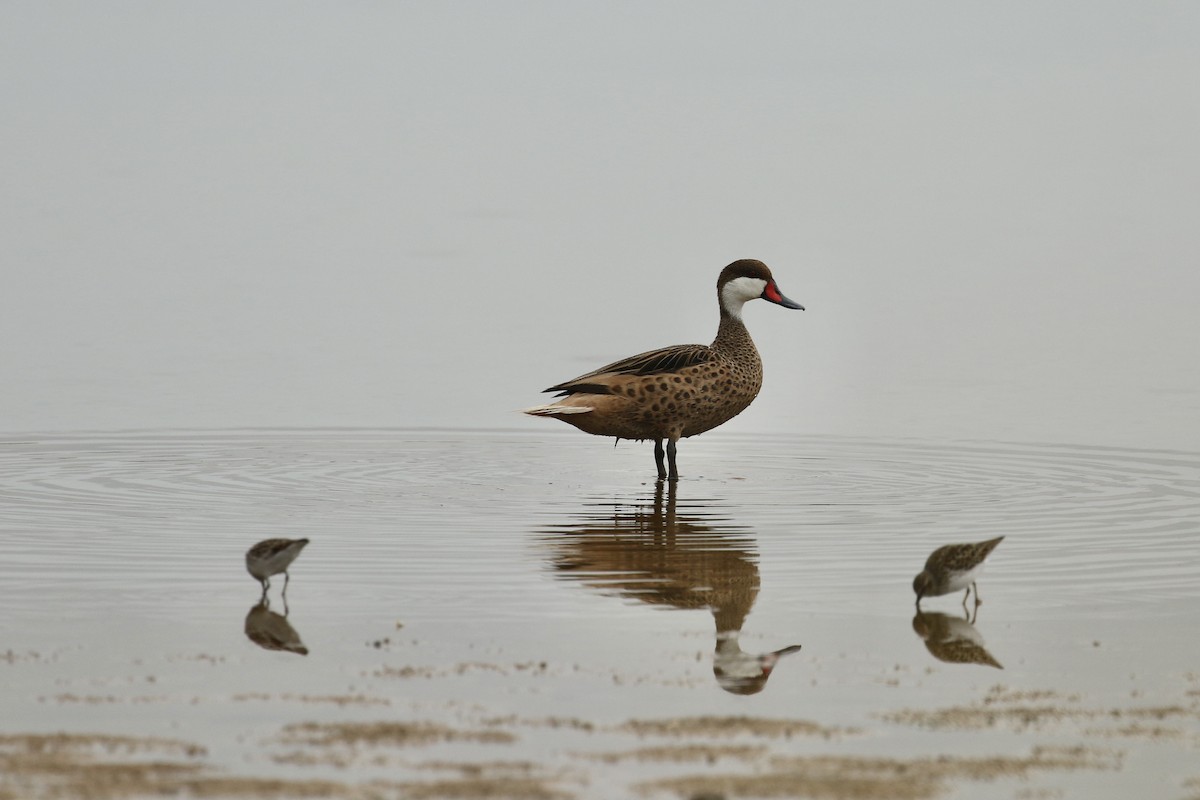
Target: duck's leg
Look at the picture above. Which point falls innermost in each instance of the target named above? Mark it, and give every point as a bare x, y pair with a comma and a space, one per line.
673, 476
658, 459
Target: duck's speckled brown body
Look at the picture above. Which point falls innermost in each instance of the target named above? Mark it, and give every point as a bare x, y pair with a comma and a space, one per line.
635, 399
677, 391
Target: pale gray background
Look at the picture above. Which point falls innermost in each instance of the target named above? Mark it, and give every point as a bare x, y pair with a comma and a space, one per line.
398, 214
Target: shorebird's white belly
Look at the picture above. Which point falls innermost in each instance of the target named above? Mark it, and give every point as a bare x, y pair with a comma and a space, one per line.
957, 581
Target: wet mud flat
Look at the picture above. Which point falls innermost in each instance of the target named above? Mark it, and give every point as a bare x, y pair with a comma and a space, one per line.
490, 615
693, 756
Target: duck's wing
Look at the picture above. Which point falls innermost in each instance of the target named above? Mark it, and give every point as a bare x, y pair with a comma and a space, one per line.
653, 362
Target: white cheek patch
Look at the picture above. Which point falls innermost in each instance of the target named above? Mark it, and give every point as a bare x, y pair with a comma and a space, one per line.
735, 293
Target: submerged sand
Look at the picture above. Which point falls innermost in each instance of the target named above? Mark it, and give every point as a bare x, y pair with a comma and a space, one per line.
697, 757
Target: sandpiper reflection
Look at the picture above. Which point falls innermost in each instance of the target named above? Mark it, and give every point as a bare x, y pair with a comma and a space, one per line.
650, 552
952, 639
272, 631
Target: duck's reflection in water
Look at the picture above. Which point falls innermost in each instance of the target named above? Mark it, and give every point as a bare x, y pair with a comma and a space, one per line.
952, 639
272, 631
650, 552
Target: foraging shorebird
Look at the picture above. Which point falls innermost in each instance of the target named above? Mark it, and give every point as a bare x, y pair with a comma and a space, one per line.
952, 567
678, 391
271, 557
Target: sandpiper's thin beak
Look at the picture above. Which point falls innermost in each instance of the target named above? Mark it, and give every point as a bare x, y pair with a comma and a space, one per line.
773, 294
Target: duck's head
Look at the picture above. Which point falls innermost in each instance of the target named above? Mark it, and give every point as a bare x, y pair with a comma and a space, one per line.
749, 279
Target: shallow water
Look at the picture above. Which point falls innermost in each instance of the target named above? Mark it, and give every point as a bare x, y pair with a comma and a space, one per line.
562, 626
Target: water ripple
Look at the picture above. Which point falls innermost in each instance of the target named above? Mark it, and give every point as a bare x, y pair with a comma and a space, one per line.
836, 516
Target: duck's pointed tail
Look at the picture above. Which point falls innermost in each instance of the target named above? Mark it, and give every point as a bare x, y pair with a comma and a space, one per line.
555, 410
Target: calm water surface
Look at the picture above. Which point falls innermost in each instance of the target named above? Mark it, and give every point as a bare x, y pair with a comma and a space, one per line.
565, 627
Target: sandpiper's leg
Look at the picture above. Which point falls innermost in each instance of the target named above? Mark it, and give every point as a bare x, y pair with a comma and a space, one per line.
976, 588
658, 459
673, 476
286, 578
966, 594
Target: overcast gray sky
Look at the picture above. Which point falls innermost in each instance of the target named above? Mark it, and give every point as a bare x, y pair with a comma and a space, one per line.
310, 214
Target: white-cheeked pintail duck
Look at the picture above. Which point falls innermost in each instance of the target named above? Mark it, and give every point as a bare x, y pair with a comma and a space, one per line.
677, 391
